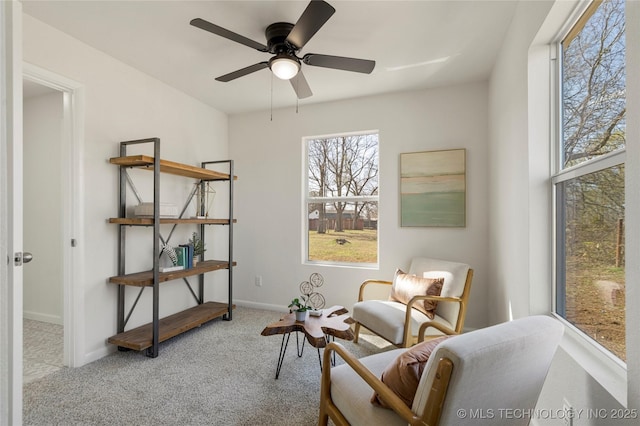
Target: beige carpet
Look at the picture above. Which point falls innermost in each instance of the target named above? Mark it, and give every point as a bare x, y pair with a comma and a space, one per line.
219, 374
42, 348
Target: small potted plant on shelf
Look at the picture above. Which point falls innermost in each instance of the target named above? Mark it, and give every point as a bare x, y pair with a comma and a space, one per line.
300, 308
198, 247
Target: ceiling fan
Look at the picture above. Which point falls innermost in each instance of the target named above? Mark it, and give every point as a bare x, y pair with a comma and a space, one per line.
284, 41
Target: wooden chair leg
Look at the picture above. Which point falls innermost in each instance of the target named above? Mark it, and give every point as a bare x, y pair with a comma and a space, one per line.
407, 340
356, 332
323, 418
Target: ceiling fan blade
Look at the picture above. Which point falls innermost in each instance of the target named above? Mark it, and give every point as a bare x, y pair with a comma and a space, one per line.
312, 19
340, 63
242, 72
300, 86
223, 32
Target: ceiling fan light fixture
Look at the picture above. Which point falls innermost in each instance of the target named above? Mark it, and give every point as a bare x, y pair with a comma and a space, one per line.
284, 42
284, 67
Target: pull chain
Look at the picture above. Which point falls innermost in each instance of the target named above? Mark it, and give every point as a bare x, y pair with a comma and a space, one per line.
271, 96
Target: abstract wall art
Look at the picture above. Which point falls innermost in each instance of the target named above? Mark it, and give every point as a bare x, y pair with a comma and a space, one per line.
433, 188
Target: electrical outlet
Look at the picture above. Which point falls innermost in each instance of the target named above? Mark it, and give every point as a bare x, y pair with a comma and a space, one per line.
258, 281
569, 412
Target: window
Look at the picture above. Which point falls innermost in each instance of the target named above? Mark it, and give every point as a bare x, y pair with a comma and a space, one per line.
341, 201
589, 180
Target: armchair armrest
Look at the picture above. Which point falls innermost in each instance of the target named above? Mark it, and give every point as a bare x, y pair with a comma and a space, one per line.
392, 400
434, 324
369, 282
435, 299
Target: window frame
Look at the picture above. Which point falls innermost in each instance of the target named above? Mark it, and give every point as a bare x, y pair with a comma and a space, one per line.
605, 367
306, 200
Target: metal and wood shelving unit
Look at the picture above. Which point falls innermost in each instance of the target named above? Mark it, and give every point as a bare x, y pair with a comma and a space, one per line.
148, 337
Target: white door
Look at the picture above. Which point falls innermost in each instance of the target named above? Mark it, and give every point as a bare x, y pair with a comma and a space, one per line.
11, 212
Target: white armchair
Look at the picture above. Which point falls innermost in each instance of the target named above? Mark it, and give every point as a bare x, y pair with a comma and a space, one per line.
400, 323
493, 369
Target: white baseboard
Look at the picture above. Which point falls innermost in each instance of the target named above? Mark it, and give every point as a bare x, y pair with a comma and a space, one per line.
265, 306
36, 316
97, 354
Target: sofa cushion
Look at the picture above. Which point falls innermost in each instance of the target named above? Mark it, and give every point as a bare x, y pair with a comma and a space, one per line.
387, 319
351, 393
403, 374
406, 286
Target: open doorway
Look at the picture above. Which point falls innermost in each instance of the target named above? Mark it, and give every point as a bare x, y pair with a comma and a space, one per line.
43, 289
52, 201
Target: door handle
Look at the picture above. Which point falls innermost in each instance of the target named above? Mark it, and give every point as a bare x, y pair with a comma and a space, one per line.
21, 258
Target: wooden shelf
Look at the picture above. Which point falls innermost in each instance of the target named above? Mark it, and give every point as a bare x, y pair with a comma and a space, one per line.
146, 162
145, 279
140, 338
159, 330
148, 221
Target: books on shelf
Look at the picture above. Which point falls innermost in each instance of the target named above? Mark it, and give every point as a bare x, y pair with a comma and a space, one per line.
184, 252
181, 255
189, 255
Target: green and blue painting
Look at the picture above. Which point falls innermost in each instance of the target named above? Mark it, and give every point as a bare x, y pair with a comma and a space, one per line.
433, 188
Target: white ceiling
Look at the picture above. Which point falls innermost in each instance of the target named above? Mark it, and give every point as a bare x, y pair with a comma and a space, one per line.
409, 40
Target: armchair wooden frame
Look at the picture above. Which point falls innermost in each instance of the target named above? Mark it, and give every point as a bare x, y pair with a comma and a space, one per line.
409, 340
433, 408
498, 367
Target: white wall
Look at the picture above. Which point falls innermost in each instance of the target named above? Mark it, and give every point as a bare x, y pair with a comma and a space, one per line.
42, 138
124, 104
509, 240
519, 269
269, 158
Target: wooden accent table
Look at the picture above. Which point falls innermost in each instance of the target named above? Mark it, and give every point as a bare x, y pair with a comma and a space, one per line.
334, 322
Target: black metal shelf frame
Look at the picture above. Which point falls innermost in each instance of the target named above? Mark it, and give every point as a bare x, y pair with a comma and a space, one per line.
204, 165
125, 179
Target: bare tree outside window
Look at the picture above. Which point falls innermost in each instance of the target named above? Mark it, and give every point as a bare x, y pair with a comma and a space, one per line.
590, 280
342, 198
594, 86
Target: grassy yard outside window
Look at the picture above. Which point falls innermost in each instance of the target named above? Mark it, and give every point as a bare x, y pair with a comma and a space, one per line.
340, 210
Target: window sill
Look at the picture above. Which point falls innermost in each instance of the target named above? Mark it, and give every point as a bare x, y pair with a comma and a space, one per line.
610, 373
370, 266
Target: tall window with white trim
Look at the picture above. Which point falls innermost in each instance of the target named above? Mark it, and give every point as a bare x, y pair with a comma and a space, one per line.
341, 203
589, 180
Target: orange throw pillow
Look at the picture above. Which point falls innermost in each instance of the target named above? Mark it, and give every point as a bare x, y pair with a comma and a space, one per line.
403, 374
406, 286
